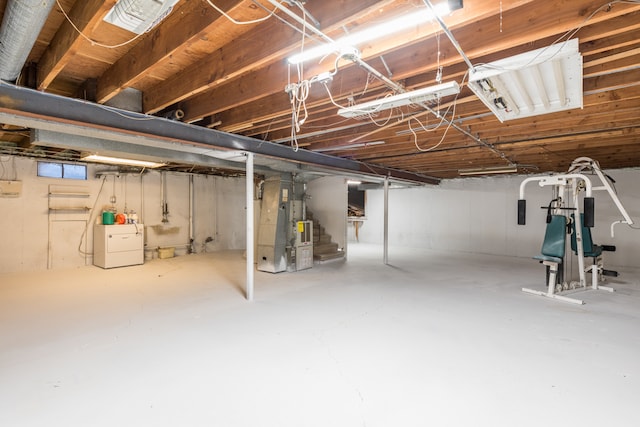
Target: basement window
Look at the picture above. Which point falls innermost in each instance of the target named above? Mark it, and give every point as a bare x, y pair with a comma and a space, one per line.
62, 170
356, 200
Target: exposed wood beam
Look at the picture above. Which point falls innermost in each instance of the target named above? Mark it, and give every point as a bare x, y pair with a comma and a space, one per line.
267, 41
86, 15
542, 21
193, 21
278, 40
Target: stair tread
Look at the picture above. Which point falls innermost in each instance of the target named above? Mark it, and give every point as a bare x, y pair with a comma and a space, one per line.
325, 257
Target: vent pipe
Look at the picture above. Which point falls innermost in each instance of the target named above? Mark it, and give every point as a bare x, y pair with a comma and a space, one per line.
21, 25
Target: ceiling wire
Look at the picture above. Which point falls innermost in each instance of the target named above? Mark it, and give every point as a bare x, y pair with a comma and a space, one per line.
448, 33
115, 46
230, 18
95, 42
567, 35
284, 21
393, 85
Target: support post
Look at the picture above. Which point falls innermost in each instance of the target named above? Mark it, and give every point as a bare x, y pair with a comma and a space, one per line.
249, 214
386, 221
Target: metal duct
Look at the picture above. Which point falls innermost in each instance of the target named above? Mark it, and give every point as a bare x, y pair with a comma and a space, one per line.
21, 24
25, 107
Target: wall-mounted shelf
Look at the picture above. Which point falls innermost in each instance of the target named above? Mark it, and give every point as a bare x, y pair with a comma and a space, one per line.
85, 195
68, 198
66, 204
70, 209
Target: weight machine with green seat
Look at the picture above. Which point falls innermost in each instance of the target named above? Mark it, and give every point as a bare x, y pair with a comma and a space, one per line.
569, 187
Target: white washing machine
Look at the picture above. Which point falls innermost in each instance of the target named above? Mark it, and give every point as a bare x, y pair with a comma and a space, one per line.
118, 245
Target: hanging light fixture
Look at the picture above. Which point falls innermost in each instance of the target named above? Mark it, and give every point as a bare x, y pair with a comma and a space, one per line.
350, 42
426, 94
488, 170
538, 82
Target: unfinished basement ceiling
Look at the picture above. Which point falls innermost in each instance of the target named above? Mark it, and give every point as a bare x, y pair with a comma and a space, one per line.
232, 78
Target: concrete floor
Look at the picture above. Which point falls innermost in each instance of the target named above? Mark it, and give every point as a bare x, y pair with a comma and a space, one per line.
435, 339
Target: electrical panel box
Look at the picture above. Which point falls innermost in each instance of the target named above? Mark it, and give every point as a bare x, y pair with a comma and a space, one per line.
304, 245
118, 245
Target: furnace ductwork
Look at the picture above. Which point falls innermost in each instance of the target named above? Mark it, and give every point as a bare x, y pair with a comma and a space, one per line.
21, 24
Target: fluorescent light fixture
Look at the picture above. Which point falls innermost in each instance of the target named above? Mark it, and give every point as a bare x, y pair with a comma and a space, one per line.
139, 16
488, 171
412, 97
120, 161
353, 182
347, 147
542, 81
349, 42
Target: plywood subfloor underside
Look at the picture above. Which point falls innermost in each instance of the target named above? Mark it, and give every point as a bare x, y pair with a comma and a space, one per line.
434, 339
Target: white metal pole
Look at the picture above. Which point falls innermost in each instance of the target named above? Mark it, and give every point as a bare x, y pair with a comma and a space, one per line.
249, 186
386, 220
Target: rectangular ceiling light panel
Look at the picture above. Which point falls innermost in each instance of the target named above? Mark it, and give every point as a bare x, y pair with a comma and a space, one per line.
539, 82
139, 16
121, 161
426, 94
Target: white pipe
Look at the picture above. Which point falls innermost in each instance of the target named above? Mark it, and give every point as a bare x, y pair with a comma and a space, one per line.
249, 215
191, 194
386, 221
142, 199
162, 193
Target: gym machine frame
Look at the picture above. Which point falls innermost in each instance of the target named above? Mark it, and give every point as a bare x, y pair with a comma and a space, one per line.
576, 181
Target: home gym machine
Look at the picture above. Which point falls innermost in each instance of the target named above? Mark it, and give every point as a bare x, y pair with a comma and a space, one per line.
565, 216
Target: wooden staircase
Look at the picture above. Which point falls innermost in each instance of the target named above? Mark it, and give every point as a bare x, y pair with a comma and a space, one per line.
323, 248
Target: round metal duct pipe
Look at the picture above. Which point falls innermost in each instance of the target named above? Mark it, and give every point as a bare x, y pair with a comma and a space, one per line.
21, 25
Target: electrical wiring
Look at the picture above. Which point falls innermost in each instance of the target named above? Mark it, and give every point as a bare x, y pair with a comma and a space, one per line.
123, 115
444, 135
380, 124
433, 128
368, 113
284, 21
91, 216
442, 119
11, 159
94, 42
298, 93
369, 79
115, 46
254, 21
567, 35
